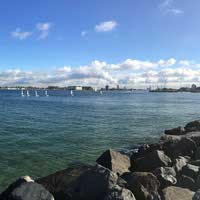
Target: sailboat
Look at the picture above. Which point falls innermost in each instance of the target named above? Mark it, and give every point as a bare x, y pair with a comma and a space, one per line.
36, 94
27, 93
71, 92
101, 92
46, 93
22, 93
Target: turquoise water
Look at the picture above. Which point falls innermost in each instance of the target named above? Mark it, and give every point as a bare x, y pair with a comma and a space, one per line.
41, 135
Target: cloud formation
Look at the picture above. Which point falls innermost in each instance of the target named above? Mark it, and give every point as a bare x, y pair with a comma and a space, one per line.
106, 26
21, 35
43, 28
130, 73
40, 28
167, 7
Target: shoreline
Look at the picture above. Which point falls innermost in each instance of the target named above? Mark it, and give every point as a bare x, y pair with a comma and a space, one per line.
168, 169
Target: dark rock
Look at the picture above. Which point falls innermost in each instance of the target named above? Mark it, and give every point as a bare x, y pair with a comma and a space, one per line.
166, 176
119, 193
114, 161
175, 131
146, 149
29, 191
180, 147
196, 195
197, 154
93, 184
195, 162
191, 171
58, 182
192, 126
198, 182
195, 136
179, 163
152, 161
186, 182
143, 185
177, 193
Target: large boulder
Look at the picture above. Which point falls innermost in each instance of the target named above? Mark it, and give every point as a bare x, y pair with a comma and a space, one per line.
119, 193
177, 193
175, 131
151, 161
144, 185
166, 176
180, 147
114, 161
58, 182
28, 191
193, 126
93, 184
191, 171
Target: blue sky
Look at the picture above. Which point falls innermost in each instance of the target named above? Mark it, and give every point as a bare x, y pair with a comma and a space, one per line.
47, 35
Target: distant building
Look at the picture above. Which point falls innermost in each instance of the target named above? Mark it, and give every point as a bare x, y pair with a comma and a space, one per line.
118, 87
107, 87
193, 86
87, 88
75, 88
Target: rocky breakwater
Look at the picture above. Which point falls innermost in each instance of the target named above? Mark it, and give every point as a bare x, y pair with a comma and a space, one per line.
167, 170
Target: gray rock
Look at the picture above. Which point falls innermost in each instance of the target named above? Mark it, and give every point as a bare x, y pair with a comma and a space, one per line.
175, 131
196, 195
144, 185
179, 163
93, 184
166, 176
186, 182
177, 193
119, 193
191, 171
114, 161
193, 126
29, 191
152, 161
60, 181
14, 185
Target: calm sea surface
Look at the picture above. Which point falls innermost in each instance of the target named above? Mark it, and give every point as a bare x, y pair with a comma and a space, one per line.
39, 135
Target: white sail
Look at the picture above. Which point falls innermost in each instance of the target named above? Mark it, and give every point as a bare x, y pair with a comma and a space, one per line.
36, 93
71, 92
27, 93
22, 93
46, 93
101, 92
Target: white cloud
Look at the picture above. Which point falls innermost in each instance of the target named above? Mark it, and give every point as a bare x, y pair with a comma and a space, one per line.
21, 35
43, 28
167, 63
130, 73
106, 26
